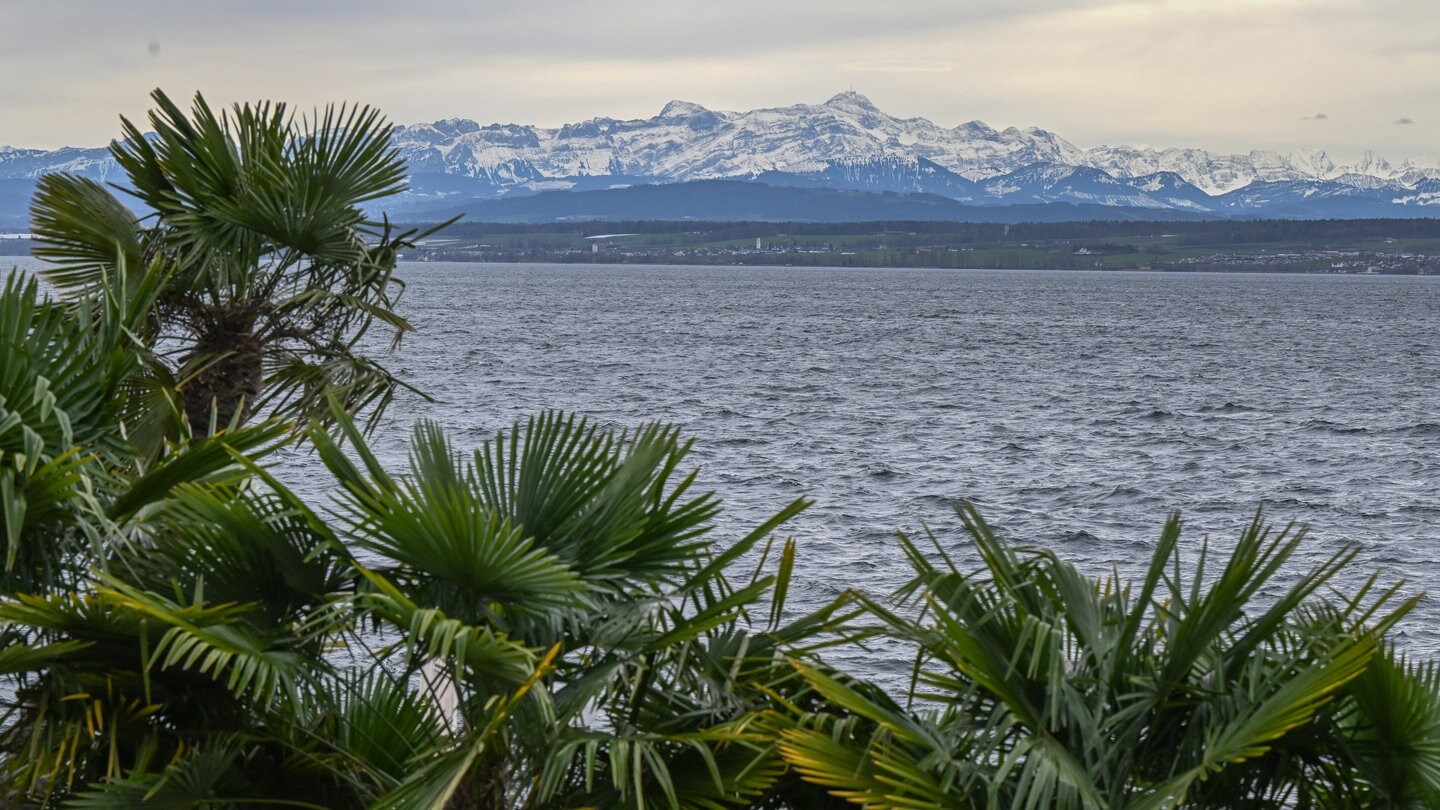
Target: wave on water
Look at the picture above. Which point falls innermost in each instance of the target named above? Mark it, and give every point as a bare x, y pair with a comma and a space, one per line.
885, 397
1327, 426
1228, 407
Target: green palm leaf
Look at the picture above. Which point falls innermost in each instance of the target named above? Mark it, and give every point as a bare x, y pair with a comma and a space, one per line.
213, 641
1393, 715
83, 231
436, 526
1080, 693
272, 271
603, 504
439, 775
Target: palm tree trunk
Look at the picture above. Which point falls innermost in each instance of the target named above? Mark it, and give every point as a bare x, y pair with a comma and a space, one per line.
228, 383
486, 788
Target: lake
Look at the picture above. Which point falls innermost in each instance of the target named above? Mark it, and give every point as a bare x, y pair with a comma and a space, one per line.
1076, 409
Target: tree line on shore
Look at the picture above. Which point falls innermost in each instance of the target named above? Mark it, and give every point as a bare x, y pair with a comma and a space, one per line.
1316, 233
549, 620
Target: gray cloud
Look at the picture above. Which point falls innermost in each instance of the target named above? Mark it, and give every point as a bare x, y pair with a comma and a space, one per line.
900, 66
540, 29
1316, 117
1404, 121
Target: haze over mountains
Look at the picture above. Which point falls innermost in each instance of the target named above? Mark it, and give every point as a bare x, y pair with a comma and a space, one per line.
849, 154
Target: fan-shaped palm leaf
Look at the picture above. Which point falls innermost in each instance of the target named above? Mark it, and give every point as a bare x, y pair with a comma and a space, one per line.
274, 271
1084, 694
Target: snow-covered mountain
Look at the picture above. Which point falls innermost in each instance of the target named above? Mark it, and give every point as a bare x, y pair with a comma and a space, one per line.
17, 164
1220, 174
688, 142
848, 143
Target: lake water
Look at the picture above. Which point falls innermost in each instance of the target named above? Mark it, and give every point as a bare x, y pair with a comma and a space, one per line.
1075, 409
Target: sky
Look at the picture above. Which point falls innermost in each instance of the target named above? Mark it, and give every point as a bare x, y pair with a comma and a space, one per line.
1225, 75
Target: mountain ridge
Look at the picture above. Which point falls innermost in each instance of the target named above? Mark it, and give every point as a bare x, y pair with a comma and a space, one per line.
848, 143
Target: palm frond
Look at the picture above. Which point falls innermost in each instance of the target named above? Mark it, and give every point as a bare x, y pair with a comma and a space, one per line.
436, 529
193, 783
429, 633
215, 460
212, 641
1083, 693
603, 504
84, 233
1393, 739
438, 776
724, 766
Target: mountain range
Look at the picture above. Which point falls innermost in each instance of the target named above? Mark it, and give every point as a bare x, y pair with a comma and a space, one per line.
844, 145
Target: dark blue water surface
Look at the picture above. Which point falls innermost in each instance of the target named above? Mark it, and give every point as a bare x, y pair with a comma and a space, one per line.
1075, 408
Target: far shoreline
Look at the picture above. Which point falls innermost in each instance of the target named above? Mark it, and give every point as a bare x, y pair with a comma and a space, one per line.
1321, 247
1148, 271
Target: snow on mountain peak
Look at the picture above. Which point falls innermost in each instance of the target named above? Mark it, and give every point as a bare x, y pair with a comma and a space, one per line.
850, 98
1313, 162
846, 135
975, 129
446, 127
687, 141
1372, 164
682, 109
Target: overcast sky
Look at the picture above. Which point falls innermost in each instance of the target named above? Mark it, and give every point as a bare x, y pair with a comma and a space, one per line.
1230, 75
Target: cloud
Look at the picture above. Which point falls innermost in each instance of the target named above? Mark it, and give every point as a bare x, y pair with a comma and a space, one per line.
1227, 75
1404, 121
900, 66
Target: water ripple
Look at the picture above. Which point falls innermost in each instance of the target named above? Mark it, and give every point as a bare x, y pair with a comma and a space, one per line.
1075, 408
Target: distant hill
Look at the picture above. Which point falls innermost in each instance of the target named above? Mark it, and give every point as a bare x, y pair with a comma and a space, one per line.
15, 203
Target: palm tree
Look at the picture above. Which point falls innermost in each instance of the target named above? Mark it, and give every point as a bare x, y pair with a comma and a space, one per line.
548, 621
274, 273
581, 546
81, 513
173, 616
1208, 690
58, 389
233, 643
189, 630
